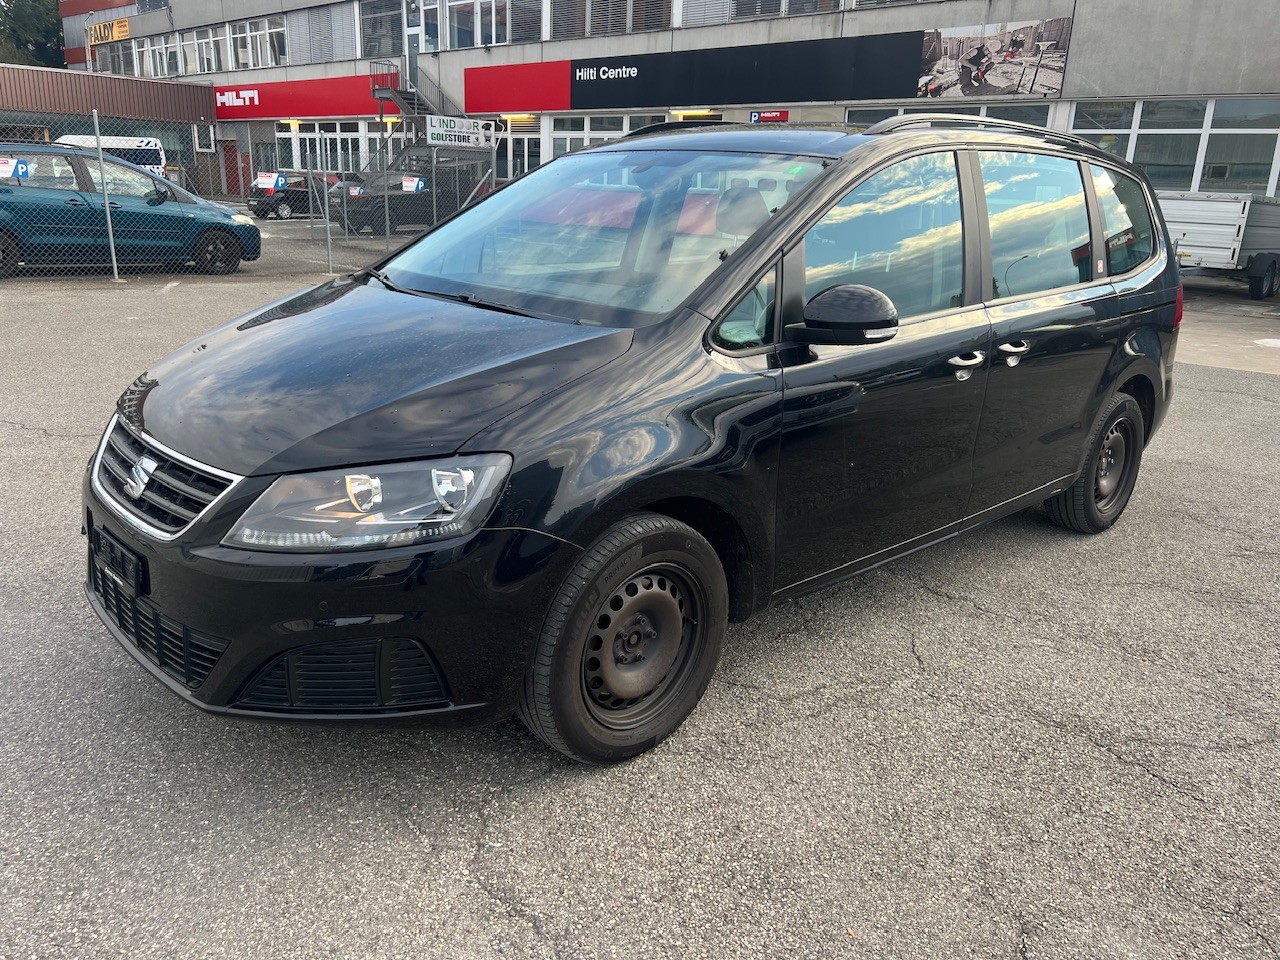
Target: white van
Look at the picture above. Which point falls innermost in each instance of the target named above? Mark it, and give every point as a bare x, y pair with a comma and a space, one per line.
145, 152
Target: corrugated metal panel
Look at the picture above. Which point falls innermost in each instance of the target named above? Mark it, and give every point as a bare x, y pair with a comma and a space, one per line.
568, 19
346, 37
44, 90
322, 34
698, 13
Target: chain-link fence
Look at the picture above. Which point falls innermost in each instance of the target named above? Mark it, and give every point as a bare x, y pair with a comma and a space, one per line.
97, 194
404, 188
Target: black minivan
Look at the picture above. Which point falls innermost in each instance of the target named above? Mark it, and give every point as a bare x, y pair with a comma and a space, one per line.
537, 460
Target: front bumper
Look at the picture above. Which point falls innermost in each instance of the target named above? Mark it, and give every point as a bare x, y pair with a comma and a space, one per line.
250, 238
473, 607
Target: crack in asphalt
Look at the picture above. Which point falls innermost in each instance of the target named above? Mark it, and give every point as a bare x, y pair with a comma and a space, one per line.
1235, 913
1200, 593
48, 433
1231, 393
1092, 738
944, 594
509, 903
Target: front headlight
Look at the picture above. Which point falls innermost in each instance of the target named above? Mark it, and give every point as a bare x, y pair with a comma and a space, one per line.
242, 218
368, 507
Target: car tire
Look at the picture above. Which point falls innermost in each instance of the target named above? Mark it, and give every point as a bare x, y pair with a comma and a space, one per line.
1098, 497
1273, 280
284, 211
630, 643
217, 252
10, 255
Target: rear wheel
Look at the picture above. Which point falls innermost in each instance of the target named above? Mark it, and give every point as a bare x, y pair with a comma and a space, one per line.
10, 253
284, 210
1265, 285
1095, 501
630, 643
217, 252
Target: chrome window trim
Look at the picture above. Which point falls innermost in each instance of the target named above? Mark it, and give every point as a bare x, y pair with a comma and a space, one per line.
136, 522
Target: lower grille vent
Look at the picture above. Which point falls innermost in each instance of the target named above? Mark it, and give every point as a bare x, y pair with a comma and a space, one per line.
351, 676
179, 651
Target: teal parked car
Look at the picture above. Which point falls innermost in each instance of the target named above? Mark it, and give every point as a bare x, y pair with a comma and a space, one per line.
52, 212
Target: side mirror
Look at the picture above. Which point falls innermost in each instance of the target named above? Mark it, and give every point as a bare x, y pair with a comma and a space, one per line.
849, 313
160, 195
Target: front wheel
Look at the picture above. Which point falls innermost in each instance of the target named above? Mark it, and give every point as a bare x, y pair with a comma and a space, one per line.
630, 643
217, 252
284, 211
1095, 501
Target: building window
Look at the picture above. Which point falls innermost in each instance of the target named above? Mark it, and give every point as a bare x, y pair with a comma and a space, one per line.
115, 58
381, 28
526, 21
1104, 115
1169, 159
743, 9
1247, 114
156, 56
1173, 114
204, 49
1238, 162
258, 43
477, 23
628, 16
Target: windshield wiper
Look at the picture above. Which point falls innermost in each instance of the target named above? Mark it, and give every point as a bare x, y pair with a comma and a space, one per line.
474, 301
386, 281
467, 298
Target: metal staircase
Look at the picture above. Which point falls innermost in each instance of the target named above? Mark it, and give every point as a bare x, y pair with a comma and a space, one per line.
414, 95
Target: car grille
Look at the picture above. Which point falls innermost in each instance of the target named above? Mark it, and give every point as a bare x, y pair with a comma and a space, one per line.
353, 676
179, 651
177, 492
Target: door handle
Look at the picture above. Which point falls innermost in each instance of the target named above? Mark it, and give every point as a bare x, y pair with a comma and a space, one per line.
113, 205
73, 202
1013, 351
964, 364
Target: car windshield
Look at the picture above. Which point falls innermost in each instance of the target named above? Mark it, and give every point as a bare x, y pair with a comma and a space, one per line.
611, 237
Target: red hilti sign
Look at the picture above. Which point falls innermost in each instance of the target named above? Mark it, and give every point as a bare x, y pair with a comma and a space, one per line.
770, 116
325, 97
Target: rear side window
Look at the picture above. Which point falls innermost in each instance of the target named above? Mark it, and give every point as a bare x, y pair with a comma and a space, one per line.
1126, 220
1039, 223
46, 170
900, 232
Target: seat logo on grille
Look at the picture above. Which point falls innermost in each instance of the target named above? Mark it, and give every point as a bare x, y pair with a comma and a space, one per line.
139, 476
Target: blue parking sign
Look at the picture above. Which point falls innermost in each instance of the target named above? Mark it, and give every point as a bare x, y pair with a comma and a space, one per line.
18, 169
22, 170
280, 181
755, 116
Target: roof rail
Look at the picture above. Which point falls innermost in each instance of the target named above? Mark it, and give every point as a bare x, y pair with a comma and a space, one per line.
676, 125
890, 124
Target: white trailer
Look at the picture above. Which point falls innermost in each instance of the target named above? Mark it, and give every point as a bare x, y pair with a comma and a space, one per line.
1237, 232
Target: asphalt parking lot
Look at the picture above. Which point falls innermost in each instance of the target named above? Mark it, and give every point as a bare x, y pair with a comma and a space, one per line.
1024, 743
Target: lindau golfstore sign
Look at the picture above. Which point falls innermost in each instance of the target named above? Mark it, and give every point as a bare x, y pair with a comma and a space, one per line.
459, 132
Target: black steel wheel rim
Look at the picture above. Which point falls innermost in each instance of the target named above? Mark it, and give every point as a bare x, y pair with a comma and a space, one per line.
645, 640
1113, 472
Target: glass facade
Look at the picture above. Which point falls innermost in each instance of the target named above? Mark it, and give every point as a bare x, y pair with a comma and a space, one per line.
1228, 144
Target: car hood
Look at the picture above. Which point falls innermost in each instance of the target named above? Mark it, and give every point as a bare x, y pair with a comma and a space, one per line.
350, 373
